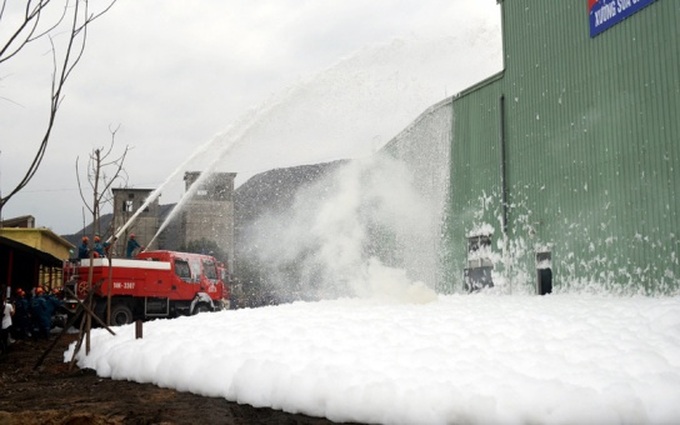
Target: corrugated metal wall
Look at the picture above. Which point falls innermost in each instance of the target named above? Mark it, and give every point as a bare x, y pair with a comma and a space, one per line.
592, 145
425, 148
475, 170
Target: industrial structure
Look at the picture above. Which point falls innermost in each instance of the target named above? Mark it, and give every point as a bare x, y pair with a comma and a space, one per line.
128, 202
207, 215
564, 167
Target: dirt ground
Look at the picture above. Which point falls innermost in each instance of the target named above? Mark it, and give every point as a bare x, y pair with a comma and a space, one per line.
58, 395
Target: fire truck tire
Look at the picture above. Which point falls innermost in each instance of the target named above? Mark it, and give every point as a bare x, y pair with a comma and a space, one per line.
201, 308
121, 315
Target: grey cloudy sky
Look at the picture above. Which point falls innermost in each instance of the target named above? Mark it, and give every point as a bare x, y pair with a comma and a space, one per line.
319, 80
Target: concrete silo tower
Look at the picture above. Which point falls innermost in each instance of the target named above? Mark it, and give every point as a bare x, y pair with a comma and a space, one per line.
209, 213
126, 202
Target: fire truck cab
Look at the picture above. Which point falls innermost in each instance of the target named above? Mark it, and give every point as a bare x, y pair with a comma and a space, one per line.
153, 284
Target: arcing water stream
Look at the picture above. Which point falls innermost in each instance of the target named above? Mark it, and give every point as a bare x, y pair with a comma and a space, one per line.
226, 143
156, 193
336, 121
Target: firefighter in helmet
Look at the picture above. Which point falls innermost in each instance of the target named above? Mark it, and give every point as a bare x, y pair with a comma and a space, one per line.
84, 249
40, 313
132, 245
22, 316
99, 247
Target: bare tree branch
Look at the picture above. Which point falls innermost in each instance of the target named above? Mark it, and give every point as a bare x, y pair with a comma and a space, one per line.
99, 164
80, 188
28, 31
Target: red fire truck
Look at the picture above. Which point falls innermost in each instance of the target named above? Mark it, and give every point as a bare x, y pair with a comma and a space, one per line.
153, 284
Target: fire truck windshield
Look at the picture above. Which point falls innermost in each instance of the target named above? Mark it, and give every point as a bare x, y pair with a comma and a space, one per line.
209, 269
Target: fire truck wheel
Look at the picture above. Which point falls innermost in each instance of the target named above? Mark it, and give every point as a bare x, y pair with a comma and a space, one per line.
121, 315
201, 308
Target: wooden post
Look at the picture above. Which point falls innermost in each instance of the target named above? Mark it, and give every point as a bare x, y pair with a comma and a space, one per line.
139, 329
109, 289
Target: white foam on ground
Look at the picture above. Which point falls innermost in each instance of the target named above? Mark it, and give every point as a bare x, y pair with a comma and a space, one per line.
457, 359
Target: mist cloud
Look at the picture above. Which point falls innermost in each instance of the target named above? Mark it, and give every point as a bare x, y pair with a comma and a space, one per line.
342, 235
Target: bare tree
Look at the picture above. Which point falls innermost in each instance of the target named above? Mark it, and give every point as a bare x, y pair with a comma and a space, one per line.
103, 169
39, 21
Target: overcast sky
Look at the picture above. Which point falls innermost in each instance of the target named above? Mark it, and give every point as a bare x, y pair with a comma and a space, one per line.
309, 80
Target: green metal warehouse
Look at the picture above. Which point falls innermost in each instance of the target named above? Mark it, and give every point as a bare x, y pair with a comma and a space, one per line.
563, 167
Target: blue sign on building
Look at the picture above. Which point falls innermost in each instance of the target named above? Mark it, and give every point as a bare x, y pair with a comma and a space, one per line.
604, 14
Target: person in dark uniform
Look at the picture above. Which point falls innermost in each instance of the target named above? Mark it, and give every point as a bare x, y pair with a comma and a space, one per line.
22, 316
40, 311
132, 245
84, 249
99, 247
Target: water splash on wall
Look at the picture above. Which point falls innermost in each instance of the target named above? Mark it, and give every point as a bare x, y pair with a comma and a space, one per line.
372, 228
587, 256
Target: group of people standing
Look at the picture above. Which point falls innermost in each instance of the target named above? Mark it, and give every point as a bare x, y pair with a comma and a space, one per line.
31, 315
101, 249
28, 316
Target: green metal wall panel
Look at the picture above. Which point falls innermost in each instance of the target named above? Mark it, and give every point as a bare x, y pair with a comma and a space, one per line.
592, 146
475, 170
